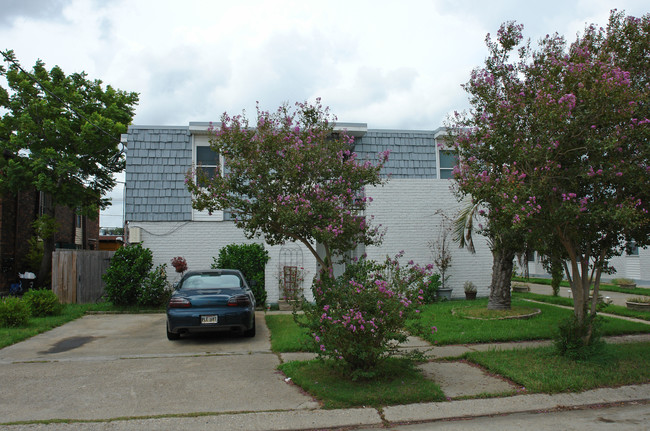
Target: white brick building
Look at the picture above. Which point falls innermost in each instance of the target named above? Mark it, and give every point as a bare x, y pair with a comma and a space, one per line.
158, 208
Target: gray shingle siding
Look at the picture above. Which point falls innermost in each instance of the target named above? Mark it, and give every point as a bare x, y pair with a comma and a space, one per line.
156, 163
159, 157
412, 153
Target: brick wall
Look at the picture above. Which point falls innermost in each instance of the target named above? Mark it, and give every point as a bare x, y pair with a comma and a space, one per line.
408, 209
199, 242
17, 213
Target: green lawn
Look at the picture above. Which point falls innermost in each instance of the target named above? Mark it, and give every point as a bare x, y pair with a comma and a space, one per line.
542, 370
603, 286
538, 370
286, 335
611, 309
453, 329
398, 383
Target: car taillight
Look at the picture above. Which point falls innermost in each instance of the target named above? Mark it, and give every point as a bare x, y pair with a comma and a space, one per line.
239, 301
179, 303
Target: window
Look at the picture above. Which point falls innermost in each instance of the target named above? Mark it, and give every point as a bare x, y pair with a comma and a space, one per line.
206, 160
631, 248
447, 159
209, 163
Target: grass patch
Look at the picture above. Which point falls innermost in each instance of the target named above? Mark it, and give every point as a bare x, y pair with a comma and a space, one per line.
543, 370
457, 330
484, 313
399, 382
603, 286
286, 335
611, 309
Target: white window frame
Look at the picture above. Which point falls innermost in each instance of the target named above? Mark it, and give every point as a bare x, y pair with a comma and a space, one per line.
442, 147
203, 140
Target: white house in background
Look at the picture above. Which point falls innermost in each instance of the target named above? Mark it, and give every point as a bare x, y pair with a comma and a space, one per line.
159, 214
633, 264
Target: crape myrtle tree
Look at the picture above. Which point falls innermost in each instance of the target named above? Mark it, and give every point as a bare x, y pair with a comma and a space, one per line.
60, 135
557, 146
291, 177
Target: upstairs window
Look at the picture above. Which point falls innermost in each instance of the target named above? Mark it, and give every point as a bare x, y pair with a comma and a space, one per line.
206, 161
447, 159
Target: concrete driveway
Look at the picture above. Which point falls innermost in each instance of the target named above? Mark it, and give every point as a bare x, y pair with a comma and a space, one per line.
108, 366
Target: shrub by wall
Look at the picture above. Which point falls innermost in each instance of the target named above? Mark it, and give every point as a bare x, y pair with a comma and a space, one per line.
251, 260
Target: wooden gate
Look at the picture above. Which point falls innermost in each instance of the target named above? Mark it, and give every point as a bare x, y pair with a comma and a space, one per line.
77, 275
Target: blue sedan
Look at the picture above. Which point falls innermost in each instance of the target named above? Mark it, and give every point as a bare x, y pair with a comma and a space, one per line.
211, 300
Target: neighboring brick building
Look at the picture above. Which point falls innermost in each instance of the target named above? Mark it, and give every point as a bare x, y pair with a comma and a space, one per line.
17, 214
160, 216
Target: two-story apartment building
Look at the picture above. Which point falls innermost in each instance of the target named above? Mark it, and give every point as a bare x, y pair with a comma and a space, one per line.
159, 214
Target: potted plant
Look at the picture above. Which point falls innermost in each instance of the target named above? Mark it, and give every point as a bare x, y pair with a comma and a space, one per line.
442, 260
639, 303
624, 283
470, 290
517, 287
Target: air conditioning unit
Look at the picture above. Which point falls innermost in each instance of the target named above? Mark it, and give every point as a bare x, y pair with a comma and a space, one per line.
135, 235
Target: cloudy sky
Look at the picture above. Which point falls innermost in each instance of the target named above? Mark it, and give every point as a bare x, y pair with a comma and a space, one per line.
387, 63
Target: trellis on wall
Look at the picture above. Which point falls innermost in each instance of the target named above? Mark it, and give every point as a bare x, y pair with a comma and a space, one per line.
291, 272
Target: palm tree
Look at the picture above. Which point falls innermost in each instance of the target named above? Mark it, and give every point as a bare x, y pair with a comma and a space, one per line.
501, 246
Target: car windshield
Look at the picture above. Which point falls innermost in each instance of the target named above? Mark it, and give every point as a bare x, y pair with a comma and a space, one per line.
212, 281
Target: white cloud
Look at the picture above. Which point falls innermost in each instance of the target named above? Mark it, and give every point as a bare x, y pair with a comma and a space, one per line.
386, 63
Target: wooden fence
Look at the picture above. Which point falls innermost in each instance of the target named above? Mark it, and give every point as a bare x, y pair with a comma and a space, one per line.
77, 275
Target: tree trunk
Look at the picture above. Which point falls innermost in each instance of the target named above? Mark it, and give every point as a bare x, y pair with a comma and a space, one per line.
46, 230
502, 262
44, 277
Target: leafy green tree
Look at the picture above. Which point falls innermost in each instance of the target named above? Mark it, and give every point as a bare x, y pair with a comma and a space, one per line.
557, 147
291, 177
60, 135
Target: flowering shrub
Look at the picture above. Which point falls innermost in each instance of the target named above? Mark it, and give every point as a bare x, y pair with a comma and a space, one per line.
358, 318
180, 264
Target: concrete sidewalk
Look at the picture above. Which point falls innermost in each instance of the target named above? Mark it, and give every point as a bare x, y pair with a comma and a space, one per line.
121, 372
617, 298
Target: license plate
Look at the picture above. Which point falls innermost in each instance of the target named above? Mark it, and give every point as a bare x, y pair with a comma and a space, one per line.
207, 320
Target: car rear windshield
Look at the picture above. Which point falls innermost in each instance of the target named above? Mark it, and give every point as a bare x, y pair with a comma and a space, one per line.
212, 281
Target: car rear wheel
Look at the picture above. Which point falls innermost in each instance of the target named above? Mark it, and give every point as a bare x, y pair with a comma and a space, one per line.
250, 332
172, 336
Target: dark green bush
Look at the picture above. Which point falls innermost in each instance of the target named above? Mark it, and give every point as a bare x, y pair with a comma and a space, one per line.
13, 312
569, 341
155, 290
126, 273
251, 260
42, 302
